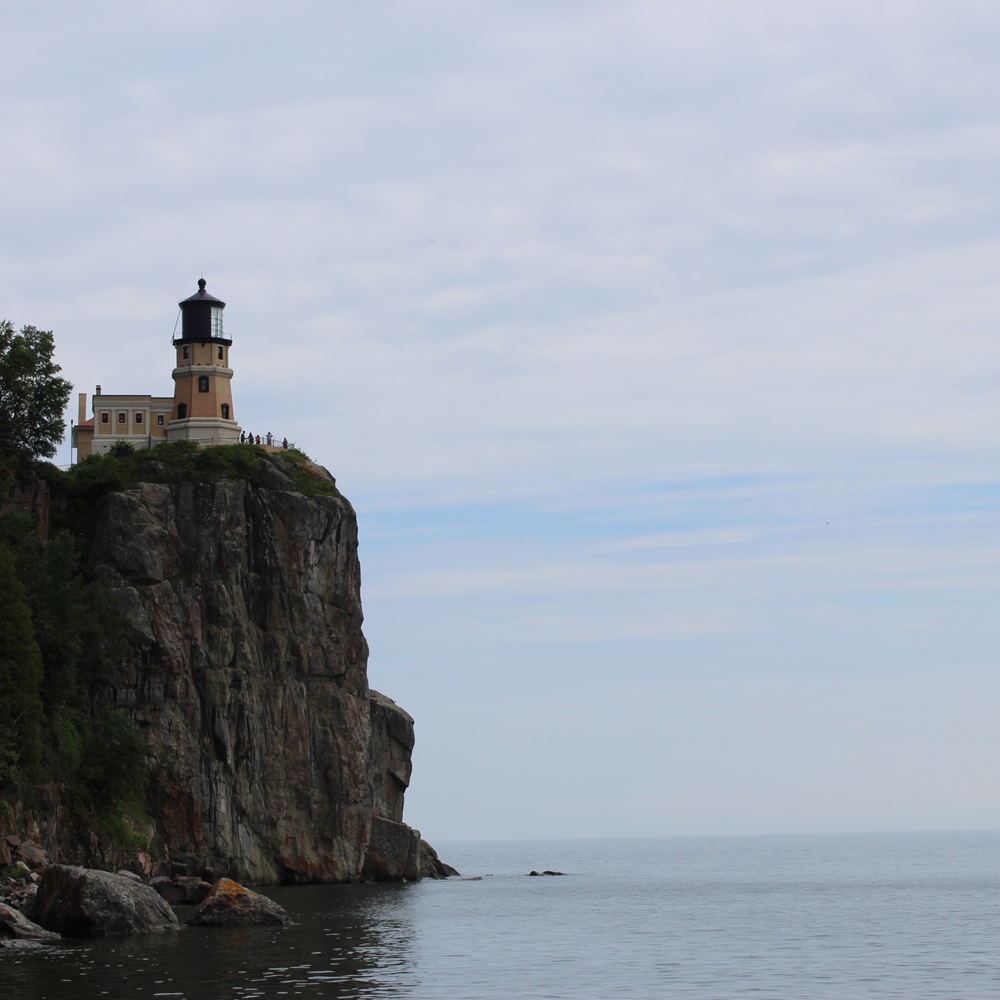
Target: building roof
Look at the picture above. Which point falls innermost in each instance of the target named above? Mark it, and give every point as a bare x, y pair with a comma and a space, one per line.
201, 295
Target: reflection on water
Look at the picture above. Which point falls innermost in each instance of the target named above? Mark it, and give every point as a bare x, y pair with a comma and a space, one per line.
810, 918
345, 941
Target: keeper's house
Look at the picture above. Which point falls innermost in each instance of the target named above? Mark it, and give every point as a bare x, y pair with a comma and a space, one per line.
201, 408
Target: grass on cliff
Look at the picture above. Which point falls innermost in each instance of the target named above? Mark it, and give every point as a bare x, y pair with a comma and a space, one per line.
124, 468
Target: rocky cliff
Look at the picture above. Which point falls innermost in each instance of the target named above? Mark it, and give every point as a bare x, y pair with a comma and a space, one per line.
271, 760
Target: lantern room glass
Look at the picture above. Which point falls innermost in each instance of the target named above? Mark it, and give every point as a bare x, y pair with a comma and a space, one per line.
217, 322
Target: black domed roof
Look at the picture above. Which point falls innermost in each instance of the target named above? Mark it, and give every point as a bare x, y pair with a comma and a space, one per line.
201, 295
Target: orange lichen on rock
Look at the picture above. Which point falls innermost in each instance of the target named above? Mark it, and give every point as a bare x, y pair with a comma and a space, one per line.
230, 904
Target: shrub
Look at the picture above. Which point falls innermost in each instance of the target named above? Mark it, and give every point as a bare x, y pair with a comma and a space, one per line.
113, 769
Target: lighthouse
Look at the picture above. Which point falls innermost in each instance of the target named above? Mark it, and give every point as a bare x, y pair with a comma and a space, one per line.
203, 395
201, 409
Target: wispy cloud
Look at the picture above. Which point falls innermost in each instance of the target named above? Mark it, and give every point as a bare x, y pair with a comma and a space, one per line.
599, 313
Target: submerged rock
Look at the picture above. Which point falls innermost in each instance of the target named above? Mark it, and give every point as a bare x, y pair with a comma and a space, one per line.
82, 902
229, 904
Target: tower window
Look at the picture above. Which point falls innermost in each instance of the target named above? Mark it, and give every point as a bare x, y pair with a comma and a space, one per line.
203, 383
217, 321
225, 411
121, 418
138, 418
187, 353
159, 419
182, 410
105, 417
220, 353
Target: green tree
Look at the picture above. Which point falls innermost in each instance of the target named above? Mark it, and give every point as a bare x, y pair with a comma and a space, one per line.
113, 769
20, 671
32, 395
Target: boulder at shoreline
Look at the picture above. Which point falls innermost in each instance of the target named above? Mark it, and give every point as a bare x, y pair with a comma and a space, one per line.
84, 902
14, 925
229, 904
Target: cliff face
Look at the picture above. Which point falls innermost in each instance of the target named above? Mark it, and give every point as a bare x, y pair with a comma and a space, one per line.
270, 756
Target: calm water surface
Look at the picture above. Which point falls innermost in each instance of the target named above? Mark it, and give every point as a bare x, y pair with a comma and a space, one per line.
792, 917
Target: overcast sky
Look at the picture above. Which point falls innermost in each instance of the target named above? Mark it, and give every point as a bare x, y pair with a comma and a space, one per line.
657, 345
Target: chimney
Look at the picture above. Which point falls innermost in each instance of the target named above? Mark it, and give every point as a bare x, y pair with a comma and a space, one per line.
82, 411
97, 391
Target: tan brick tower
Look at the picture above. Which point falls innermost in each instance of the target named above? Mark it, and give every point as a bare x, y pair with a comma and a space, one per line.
203, 396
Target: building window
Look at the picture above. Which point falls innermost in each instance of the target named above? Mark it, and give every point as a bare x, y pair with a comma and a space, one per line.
220, 353
105, 417
225, 411
203, 383
182, 410
138, 418
159, 419
121, 418
186, 354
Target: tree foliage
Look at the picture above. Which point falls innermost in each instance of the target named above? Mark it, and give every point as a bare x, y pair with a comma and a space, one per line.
60, 634
20, 672
32, 395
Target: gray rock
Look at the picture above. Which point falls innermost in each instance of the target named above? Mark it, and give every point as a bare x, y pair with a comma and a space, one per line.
194, 889
27, 899
392, 744
273, 474
14, 924
82, 902
268, 755
431, 866
253, 682
229, 904
393, 852
168, 889
17, 944
32, 854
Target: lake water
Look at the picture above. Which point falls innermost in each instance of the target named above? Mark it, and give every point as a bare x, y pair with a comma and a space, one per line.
867, 916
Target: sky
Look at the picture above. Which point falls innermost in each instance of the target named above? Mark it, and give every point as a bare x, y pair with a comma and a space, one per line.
655, 343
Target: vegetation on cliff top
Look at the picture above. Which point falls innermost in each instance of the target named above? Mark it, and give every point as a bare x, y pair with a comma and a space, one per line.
81, 489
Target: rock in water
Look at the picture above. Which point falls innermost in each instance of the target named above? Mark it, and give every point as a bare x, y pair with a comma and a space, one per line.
81, 902
194, 889
229, 904
393, 852
14, 925
431, 866
168, 889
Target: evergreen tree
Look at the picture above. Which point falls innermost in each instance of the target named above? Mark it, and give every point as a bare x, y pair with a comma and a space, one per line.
20, 671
